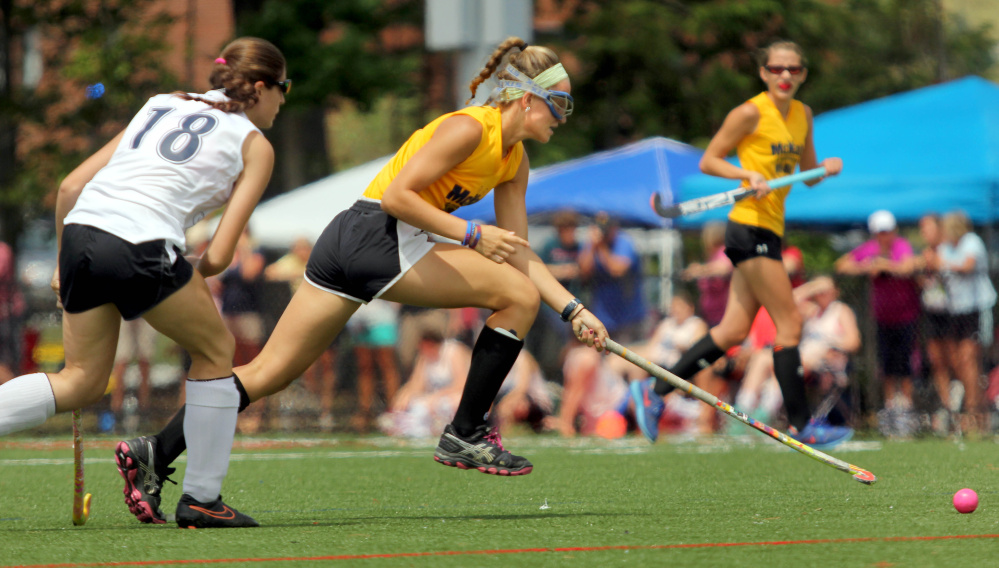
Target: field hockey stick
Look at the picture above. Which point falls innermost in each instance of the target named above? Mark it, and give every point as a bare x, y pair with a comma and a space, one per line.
832, 398
860, 475
81, 499
727, 197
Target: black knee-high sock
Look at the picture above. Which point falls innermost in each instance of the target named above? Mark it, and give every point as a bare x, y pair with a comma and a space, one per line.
791, 377
170, 441
700, 356
492, 358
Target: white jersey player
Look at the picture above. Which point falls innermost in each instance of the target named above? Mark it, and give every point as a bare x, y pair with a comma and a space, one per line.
120, 219
178, 160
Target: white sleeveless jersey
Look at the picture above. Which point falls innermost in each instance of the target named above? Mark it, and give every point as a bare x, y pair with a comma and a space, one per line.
177, 162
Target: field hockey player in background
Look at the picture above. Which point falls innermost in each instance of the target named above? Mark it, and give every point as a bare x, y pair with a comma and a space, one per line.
772, 135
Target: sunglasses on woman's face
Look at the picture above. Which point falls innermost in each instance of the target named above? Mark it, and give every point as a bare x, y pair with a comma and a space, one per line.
778, 69
285, 85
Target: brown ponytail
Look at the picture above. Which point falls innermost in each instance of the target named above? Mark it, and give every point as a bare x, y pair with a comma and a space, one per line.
241, 64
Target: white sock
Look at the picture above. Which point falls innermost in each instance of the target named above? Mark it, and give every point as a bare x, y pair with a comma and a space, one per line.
25, 402
507, 333
209, 426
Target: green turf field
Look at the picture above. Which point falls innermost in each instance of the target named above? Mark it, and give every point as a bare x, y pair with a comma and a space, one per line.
376, 502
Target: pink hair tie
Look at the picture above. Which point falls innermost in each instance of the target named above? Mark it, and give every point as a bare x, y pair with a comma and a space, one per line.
220, 61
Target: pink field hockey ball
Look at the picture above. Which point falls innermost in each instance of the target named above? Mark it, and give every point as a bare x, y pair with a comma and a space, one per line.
966, 501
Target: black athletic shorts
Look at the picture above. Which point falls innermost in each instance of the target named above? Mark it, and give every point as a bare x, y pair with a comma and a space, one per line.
937, 325
364, 251
963, 326
97, 268
743, 242
895, 343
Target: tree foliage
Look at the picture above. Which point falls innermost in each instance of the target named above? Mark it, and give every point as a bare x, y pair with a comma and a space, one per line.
58, 122
336, 49
676, 68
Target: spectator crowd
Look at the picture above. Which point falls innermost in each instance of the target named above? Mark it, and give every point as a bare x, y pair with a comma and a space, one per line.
926, 320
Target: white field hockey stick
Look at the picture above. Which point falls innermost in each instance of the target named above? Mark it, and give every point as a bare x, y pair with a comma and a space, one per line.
81, 499
860, 475
726, 198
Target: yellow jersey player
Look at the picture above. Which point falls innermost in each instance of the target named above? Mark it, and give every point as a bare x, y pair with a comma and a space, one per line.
384, 247
771, 135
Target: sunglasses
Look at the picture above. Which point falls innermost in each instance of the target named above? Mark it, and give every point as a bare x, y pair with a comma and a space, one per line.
778, 69
285, 85
560, 103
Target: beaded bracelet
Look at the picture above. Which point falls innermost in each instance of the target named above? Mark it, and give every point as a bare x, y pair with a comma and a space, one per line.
476, 235
469, 231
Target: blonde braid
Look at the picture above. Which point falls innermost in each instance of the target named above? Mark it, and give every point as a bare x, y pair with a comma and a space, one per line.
494, 62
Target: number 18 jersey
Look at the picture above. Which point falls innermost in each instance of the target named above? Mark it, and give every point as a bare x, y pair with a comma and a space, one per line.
177, 161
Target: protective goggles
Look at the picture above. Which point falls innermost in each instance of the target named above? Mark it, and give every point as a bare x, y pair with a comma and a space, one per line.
559, 103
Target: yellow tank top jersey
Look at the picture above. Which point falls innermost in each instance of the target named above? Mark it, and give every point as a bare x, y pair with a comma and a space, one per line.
469, 181
774, 150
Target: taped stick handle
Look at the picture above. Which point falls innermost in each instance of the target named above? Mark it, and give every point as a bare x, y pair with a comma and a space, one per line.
740, 193
657, 371
807, 175
729, 197
81, 499
859, 474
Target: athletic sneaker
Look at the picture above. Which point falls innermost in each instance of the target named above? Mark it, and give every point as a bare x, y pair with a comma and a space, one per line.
136, 459
649, 407
192, 514
483, 450
821, 435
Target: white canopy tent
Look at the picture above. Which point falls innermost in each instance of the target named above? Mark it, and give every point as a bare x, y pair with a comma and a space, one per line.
306, 211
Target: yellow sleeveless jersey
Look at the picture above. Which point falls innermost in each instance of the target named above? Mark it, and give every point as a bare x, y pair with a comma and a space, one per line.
469, 181
774, 150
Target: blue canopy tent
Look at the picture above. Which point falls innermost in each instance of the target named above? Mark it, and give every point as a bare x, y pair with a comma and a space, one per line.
618, 181
930, 149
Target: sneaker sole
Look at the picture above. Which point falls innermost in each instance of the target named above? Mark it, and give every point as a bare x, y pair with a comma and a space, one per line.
635, 390
204, 519
196, 526
133, 497
831, 445
461, 464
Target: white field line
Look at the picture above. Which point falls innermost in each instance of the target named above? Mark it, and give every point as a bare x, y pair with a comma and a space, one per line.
708, 445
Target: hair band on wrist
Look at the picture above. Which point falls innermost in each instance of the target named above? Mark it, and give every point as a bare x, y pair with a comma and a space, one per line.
569, 308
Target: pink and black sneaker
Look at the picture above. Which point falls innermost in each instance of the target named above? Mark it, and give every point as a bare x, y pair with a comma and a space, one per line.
136, 459
483, 450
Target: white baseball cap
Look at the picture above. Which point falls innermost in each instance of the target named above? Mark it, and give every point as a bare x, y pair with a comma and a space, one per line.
881, 221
